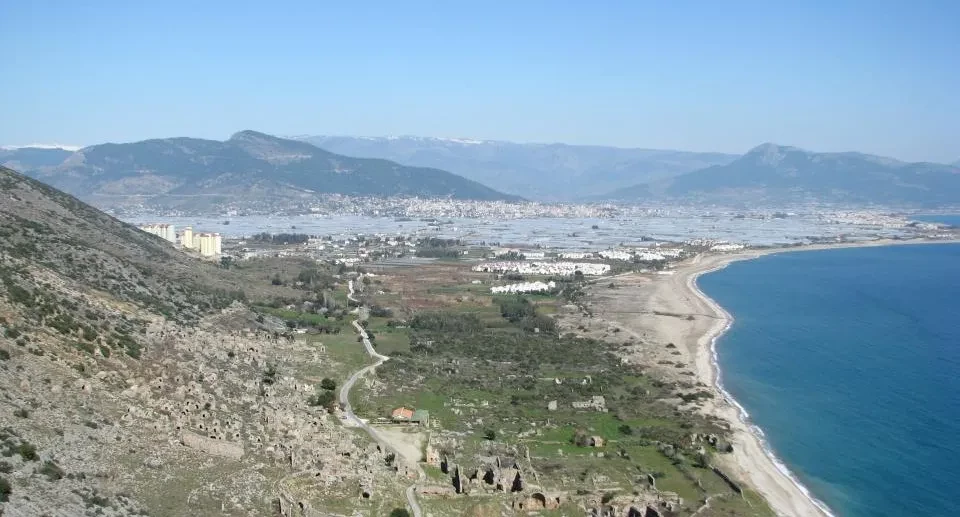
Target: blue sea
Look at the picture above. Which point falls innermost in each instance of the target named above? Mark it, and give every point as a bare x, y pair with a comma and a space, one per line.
849, 361
951, 219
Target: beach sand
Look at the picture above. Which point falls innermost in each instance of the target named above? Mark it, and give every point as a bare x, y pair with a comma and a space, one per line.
650, 311
750, 461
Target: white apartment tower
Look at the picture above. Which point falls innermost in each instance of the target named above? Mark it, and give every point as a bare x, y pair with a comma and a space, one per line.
165, 231
186, 238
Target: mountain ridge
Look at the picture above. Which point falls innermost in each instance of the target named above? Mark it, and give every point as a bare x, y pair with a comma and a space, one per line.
784, 174
522, 168
250, 165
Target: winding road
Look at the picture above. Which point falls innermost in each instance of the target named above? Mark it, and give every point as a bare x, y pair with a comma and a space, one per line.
350, 419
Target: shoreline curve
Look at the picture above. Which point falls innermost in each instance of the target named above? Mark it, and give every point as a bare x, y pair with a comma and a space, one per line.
713, 335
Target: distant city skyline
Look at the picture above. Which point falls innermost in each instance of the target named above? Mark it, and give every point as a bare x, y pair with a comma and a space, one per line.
876, 77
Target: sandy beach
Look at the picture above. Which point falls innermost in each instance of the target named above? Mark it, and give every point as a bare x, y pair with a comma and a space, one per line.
656, 310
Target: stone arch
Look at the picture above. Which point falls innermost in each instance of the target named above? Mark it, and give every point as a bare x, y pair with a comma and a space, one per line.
517, 484
488, 476
538, 500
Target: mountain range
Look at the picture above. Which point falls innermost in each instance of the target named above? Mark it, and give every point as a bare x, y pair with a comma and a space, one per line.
253, 167
777, 174
550, 172
250, 166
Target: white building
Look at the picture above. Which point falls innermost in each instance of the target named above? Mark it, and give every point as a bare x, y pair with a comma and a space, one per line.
524, 287
727, 247
186, 238
647, 256
208, 244
543, 268
576, 255
615, 255
165, 231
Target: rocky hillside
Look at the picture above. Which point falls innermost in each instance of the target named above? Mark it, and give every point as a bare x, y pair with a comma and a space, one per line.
249, 167
574, 171
777, 174
136, 381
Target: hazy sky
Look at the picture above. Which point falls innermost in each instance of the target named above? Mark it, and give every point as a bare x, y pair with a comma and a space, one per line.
876, 76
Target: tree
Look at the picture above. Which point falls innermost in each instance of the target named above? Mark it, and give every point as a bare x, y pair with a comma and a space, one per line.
323, 398
490, 434
328, 384
625, 429
399, 512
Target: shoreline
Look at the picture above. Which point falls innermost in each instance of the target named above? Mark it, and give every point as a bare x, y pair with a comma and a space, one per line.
725, 322
755, 458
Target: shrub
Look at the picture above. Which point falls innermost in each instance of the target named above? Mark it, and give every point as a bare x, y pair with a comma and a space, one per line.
328, 384
4, 355
52, 471
21, 413
490, 434
5, 490
399, 512
270, 374
27, 451
323, 398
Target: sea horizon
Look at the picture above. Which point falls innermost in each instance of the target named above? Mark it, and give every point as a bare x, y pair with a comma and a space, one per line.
782, 389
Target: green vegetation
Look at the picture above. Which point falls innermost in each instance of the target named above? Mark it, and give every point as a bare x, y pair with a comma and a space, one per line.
52, 471
440, 248
280, 238
399, 512
489, 359
5, 490
27, 451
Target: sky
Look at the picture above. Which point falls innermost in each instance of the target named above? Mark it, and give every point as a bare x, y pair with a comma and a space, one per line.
875, 76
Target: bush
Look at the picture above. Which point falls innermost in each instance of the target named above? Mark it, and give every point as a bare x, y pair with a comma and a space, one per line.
324, 398
490, 434
270, 374
328, 384
28, 451
5, 490
21, 413
399, 512
447, 322
380, 312
4, 355
52, 471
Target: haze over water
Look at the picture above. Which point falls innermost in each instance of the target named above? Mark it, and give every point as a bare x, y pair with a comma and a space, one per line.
848, 360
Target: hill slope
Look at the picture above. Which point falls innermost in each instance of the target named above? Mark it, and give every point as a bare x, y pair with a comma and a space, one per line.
24, 158
779, 174
537, 171
136, 382
250, 166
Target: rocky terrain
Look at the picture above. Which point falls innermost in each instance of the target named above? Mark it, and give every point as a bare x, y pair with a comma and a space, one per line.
137, 381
